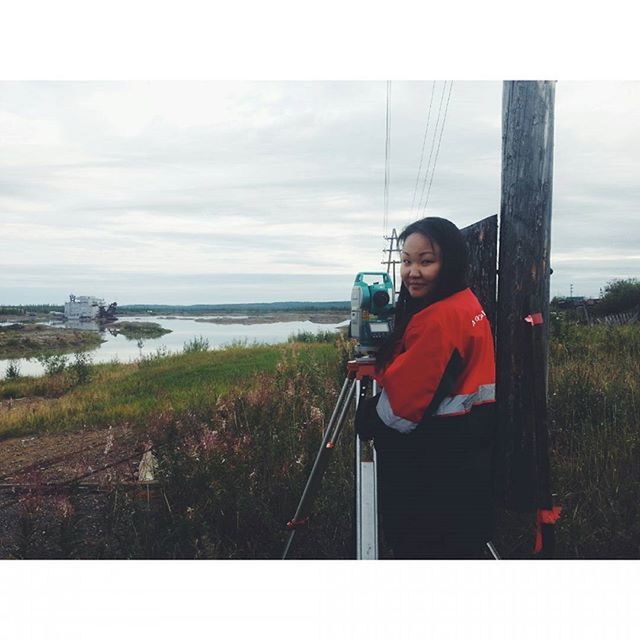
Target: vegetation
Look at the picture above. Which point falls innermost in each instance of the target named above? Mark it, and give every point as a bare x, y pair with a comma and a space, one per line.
139, 330
253, 308
53, 363
310, 336
13, 370
594, 389
34, 309
32, 340
620, 296
236, 431
198, 343
138, 393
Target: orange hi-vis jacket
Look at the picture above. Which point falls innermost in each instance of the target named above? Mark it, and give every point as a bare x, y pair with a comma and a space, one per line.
444, 366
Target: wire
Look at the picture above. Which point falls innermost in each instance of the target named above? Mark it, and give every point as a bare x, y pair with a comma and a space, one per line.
435, 133
424, 140
433, 171
387, 169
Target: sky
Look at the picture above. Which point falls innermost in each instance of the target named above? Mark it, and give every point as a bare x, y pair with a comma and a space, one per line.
225, 192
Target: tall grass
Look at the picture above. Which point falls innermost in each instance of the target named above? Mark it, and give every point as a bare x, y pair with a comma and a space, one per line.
198, 343
594, 400
311, 336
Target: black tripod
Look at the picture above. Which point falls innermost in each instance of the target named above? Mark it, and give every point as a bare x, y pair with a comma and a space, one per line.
359, 376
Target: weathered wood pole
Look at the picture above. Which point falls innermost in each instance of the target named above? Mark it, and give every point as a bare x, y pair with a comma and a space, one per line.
523, 291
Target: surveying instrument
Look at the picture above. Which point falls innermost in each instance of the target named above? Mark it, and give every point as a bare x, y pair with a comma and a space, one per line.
372, 315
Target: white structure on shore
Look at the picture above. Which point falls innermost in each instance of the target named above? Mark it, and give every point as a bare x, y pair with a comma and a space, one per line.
82, 307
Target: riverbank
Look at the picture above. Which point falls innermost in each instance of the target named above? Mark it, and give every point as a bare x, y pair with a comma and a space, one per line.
331, 318
19, 340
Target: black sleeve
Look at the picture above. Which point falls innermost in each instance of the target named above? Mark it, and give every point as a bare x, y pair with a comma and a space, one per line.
447, 382
367, 421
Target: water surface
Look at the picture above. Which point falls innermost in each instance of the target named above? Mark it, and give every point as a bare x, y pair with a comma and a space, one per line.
183, 329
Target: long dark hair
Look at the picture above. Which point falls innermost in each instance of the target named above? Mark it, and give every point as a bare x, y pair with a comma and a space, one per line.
451, 279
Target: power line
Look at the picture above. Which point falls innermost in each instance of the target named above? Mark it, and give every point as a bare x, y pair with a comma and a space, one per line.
444, 119
424, 140
435, 133
387, 169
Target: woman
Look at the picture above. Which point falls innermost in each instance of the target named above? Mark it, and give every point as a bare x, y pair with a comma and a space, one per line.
433, 422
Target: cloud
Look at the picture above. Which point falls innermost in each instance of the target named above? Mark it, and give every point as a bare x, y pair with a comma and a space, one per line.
194, 180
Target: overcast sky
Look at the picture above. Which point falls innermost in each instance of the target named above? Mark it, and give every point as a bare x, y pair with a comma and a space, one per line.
219, 192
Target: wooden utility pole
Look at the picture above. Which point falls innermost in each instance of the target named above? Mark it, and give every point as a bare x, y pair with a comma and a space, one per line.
523, 293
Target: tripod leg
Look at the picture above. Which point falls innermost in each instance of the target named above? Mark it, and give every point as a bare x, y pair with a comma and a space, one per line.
366, 492
329, 440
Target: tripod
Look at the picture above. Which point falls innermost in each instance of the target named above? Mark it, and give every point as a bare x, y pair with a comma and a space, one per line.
359, 376
355, 386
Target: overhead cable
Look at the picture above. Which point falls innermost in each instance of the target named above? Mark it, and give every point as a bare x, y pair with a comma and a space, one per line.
435, 133
387, 170
424, 140
444, 119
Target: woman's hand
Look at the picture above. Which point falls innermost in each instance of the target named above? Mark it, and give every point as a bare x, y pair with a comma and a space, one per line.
367, 421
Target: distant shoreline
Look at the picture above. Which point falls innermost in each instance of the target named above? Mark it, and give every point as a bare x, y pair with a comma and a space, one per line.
330, 318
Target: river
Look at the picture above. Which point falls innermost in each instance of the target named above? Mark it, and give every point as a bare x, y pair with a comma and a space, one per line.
183, 329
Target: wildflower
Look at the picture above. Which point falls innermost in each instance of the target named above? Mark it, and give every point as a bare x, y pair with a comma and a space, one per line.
63, 507
109, 444
209, 439
317, 415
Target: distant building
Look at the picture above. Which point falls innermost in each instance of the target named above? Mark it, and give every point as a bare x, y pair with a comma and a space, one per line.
573, 302
82, 307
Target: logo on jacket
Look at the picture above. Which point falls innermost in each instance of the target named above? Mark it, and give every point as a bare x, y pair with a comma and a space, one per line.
480, 316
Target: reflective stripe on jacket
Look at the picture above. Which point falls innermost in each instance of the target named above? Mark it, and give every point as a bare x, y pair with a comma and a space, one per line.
447, 346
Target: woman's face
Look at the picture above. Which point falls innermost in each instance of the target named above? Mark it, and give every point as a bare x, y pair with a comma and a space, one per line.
421, 264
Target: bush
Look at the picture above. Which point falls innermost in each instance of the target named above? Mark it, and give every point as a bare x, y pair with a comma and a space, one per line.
80, 369
620, 296
13, 370
311, 336
160, 352
53, 363
196, 344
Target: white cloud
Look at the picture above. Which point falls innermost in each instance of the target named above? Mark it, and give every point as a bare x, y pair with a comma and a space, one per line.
162, 179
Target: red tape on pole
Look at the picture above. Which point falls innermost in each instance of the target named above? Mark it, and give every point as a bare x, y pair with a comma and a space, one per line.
544, 516
294, 524
534, 319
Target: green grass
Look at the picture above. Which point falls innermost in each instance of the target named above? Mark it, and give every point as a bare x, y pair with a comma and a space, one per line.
137, 393
594, 401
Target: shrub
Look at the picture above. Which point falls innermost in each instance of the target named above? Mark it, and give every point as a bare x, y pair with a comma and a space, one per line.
160, 352
620, 296
310, 336
80, 368
53, 363
13, 370
196, 344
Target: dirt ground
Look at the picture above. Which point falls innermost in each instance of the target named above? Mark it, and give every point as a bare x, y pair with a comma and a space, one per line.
63, 457
41, 466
